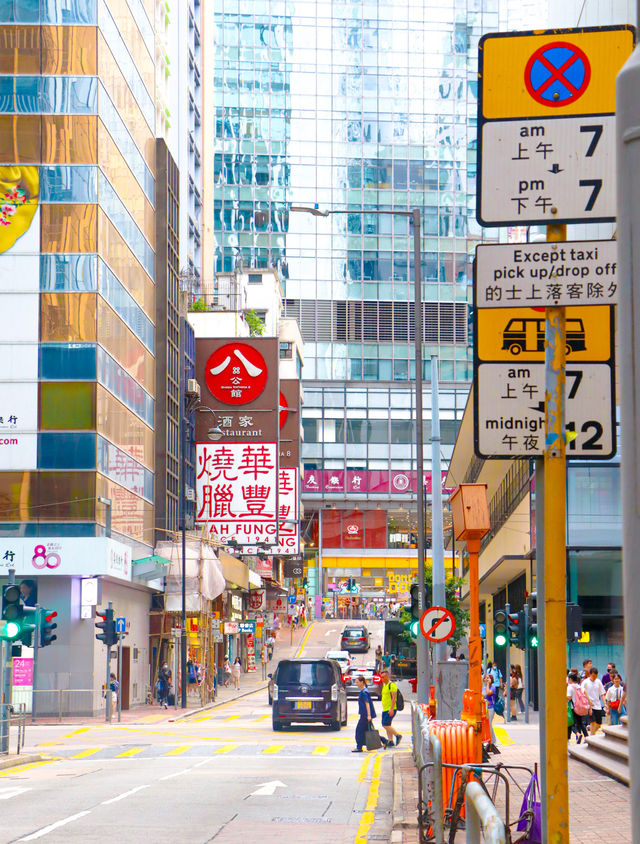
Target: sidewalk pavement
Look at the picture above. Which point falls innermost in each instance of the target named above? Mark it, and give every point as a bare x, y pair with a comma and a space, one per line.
287, 646
599, 807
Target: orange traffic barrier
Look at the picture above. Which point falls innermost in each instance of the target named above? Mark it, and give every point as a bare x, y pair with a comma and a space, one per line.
458, 743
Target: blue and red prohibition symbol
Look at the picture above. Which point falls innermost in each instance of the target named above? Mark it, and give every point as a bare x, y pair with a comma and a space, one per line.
557, 74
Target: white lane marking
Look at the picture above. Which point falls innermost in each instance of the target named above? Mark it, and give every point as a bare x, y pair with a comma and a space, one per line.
47, 829
123, 795
329, 632
268, 789
176, 774
6, 793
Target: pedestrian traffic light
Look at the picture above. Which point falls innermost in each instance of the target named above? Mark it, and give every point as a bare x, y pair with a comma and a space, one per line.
500, 628
532, 600
12, 612
107, 626
415, 601
574, 622
513, 626
47, 626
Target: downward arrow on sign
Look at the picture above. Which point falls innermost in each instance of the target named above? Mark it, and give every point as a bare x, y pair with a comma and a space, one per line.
267, 789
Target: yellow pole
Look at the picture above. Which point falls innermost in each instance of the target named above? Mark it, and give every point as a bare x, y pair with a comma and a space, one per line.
555, 577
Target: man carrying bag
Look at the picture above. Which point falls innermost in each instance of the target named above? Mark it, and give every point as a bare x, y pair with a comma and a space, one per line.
366, 736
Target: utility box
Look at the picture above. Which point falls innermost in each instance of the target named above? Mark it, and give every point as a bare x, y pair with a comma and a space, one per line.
470, 511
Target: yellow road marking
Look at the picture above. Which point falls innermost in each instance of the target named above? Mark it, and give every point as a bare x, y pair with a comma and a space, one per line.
19, 768
262, 717
226, 748
368, 816
364, 767
274, 748
178, 750
84, 753
78, 731
303, 642
152, 719
231, 717
48, 743
133, 751
503, 736
320, 750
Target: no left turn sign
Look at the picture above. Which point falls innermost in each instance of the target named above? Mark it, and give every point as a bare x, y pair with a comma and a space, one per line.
437, 624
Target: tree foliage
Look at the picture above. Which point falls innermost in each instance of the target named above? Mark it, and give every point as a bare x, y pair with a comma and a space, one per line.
256, 326
460, 615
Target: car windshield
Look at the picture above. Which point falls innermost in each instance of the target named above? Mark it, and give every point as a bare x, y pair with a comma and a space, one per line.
307, 673
354, 634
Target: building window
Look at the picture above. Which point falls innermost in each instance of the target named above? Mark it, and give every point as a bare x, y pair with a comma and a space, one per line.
286, 351
255, 278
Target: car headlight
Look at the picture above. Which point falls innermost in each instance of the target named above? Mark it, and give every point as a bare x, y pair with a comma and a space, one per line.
274, 695
334, 692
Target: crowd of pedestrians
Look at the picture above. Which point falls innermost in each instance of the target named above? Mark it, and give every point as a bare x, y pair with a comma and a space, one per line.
591, 700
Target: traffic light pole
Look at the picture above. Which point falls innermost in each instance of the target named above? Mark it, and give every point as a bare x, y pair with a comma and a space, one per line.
527, 657
507, 666
36, 650
107, 692
437, 530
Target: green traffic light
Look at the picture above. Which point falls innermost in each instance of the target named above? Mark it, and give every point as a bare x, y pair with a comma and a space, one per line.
414, 627
11, 630
534, 642
500, 640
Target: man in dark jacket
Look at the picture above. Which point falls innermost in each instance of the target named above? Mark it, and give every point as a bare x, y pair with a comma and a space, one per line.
366, 711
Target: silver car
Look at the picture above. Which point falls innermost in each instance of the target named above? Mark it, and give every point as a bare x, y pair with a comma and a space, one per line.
374, 681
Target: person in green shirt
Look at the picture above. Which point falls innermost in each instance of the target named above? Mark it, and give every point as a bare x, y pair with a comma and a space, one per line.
389, 696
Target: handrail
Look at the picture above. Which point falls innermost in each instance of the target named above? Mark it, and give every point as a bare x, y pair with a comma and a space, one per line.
482, 817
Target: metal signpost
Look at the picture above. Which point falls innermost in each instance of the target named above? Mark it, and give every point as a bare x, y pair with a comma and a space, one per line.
546, 119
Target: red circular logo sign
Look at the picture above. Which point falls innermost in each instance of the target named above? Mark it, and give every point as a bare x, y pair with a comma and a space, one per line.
236, 373
284, 410
557, 74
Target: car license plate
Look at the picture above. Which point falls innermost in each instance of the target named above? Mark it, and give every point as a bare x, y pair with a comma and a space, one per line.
303, 704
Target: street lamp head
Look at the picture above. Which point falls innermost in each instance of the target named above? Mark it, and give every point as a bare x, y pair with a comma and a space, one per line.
215, 434
307, 210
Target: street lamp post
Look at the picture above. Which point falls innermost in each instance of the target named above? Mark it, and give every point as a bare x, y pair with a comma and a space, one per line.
415, 218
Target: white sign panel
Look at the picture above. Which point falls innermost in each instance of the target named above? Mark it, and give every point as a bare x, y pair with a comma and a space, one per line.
236, 490
553, 170
65, 556
510, 410
546, 274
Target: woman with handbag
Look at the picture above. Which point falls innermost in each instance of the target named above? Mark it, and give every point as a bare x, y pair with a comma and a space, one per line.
489, 694
616, 699
367, 714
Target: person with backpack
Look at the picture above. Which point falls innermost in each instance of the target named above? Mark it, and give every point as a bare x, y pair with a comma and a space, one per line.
579, 703
392, 702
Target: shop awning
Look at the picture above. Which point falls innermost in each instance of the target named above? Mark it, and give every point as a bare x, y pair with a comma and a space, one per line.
150, 568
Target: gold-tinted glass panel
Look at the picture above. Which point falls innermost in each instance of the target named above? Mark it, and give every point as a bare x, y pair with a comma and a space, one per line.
19, 49
125, 102
125, 265
118, 424
69, 50
124, 346
68, 407
130, 514
47, 496
127, 27
68, 228
20, 138
69, 139
68, 317
123, 180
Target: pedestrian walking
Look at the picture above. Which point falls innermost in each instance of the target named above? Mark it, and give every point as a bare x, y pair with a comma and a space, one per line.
489, 693
580, 707
379, 656
594, 690
607, 677
616, 699
513, 685
236, 671
271, 643
367, 713
586, 669
389, 699
164, 685
227, 671
496, 674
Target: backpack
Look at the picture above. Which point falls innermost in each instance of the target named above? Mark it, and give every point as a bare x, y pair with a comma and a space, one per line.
581, 704
399, 700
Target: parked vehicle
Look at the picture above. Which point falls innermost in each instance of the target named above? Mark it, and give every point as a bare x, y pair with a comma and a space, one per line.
355, 639
307, 691
374, 682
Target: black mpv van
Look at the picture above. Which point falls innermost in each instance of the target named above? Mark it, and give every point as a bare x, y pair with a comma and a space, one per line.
308, 690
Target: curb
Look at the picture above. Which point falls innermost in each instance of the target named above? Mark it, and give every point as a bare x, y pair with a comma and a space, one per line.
16, 761
215, 704
398, 820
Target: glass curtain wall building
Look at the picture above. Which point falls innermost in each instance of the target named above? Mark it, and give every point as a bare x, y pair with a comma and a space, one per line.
355, 105
77, 369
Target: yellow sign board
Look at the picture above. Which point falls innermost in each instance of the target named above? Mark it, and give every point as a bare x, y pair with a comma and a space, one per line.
554, 73
513, 334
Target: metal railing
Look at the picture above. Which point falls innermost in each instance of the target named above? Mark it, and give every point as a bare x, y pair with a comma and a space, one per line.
482, 817
16, 716
65, 703
427, 754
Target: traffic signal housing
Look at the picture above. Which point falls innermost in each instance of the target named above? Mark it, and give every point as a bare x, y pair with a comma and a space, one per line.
500, 628
522, 630
107, 626
12, 612
413, 627
415, 601
47, 626
534, 639
513, 626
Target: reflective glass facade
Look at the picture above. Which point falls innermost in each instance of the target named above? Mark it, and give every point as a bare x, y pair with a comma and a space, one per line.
77, 256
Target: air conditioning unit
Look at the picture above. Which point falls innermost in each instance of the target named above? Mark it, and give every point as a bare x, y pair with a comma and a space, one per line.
190, 493
193, 388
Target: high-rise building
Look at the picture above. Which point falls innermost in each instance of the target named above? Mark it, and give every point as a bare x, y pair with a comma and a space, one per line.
77, 165
355, 106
